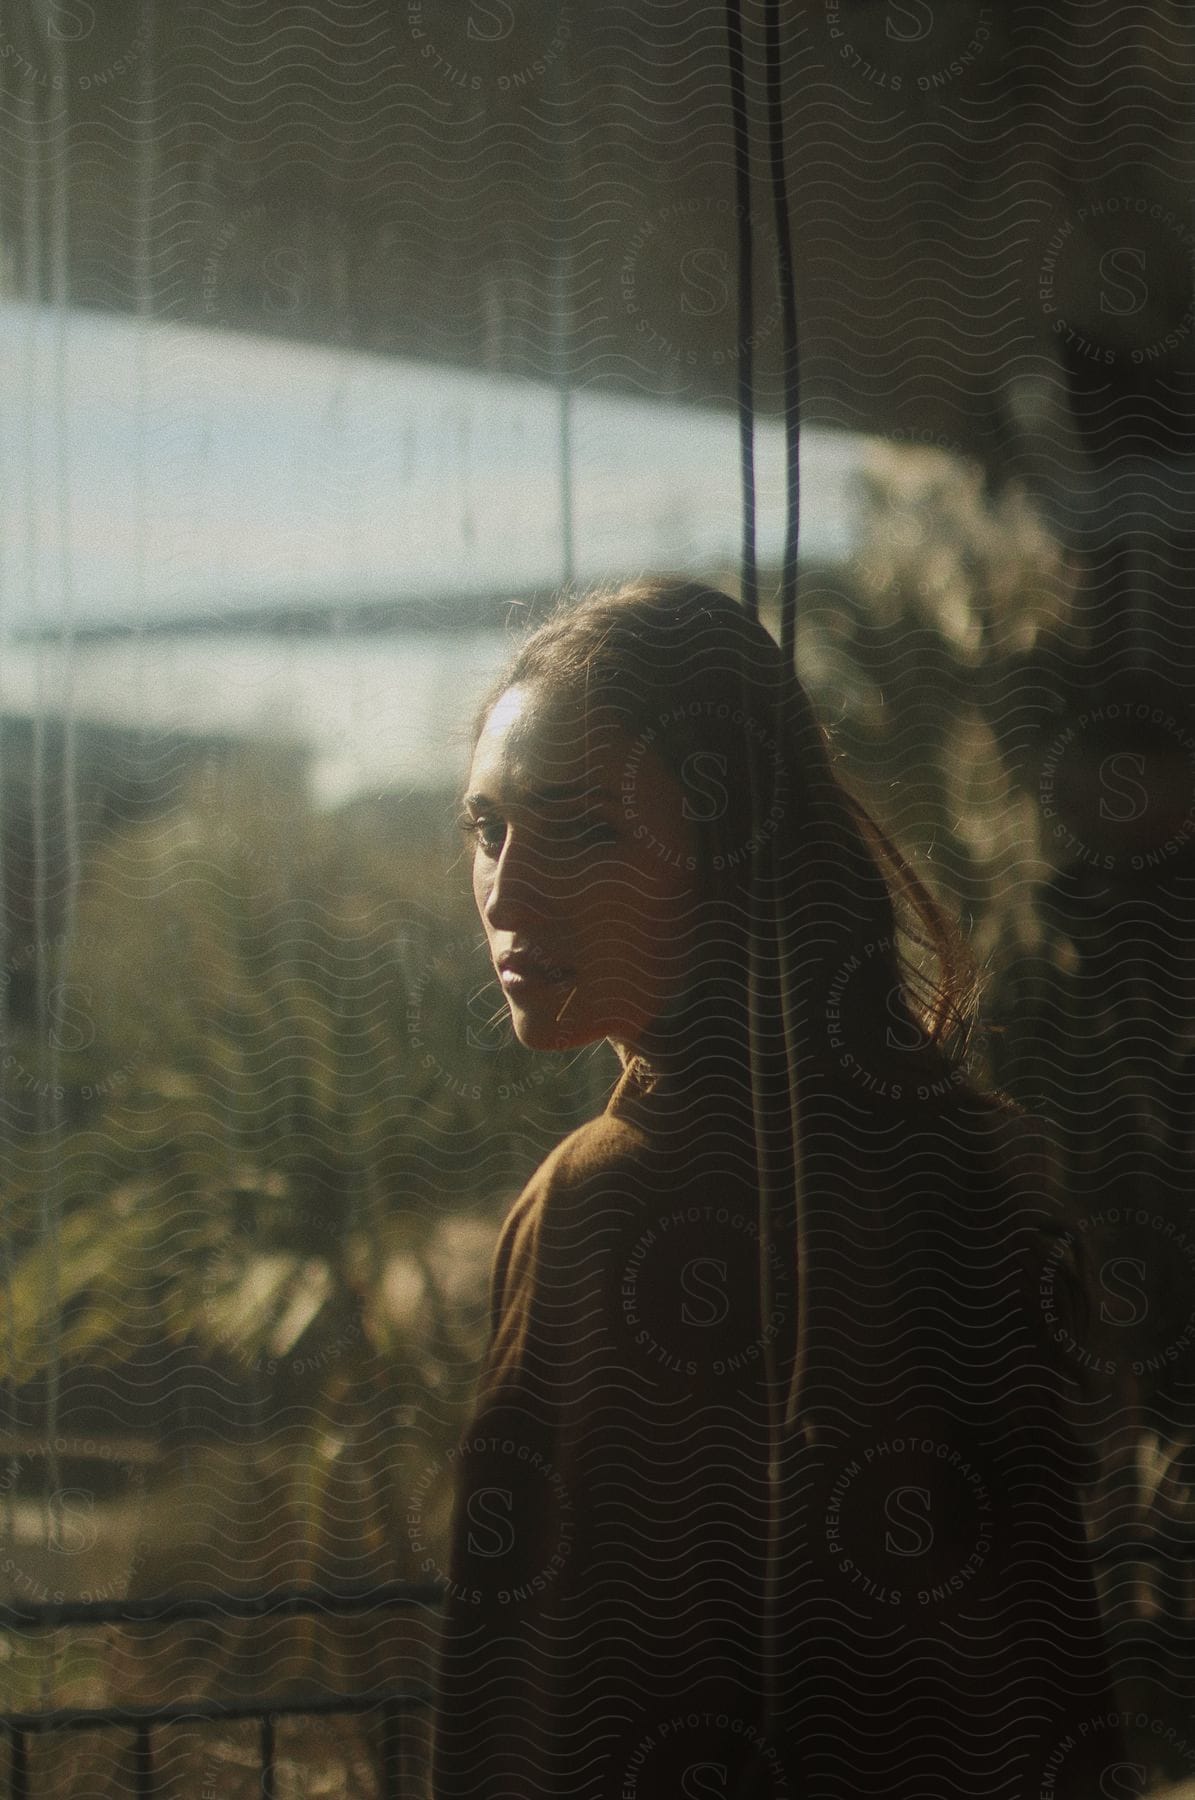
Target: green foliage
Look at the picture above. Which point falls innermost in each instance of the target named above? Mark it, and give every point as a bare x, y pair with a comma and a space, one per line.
913, 649
277, 1102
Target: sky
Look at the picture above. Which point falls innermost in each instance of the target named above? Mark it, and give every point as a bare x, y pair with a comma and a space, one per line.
154, 472
155, 475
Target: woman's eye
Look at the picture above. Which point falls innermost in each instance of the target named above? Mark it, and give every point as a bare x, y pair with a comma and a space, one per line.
489, 833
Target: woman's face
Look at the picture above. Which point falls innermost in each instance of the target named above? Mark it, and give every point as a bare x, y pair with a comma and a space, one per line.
585, 900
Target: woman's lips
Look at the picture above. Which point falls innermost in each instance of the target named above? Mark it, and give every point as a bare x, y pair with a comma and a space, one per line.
517, 979
528, 978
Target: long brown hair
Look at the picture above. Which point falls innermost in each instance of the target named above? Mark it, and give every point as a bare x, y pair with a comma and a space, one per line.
691, 676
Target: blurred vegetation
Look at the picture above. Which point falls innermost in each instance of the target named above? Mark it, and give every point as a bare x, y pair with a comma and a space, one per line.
912, 648
267, 1092
277, 1049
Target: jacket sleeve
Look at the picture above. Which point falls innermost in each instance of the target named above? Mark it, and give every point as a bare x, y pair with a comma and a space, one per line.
616, 1463
508, 1505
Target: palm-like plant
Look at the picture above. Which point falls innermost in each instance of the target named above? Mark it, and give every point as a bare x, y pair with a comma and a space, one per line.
315, 1130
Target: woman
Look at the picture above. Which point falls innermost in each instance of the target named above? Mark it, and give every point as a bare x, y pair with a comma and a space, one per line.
679, 1376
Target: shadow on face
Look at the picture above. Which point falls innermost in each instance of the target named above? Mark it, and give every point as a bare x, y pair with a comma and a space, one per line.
584, 871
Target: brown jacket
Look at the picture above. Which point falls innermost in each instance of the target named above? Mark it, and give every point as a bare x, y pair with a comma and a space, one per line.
938, 1628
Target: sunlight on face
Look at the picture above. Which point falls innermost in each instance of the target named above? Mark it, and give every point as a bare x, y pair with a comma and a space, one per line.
590, 907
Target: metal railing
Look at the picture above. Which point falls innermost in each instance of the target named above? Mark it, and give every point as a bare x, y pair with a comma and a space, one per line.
142, 1721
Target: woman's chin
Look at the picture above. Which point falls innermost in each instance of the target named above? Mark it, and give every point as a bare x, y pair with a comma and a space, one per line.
540, 1031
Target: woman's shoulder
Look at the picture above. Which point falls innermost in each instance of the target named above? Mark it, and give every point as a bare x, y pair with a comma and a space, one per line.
532, 1236
646, 1137
966, 1158
614, 1139
608, 1146
935, 1100
655, 1140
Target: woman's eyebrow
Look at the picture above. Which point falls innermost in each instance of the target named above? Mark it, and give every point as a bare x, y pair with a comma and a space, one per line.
571, 790
551, 792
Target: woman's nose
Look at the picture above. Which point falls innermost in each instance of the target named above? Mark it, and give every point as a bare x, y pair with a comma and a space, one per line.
522, 887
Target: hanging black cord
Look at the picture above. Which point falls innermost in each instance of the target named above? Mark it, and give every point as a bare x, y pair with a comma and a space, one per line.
774, 59
768, 1070
784, 1197
790, 1015
774, 1013
746, 403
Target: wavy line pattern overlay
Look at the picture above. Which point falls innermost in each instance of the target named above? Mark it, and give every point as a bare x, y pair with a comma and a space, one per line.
314, 1271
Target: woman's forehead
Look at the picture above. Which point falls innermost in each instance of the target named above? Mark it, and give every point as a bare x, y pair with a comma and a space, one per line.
536, 742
